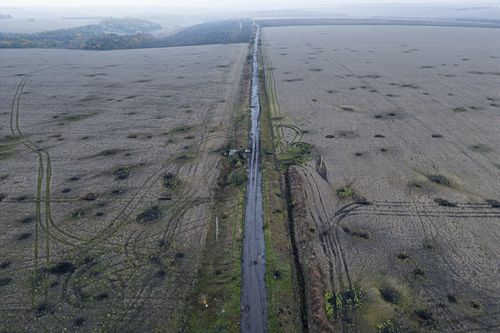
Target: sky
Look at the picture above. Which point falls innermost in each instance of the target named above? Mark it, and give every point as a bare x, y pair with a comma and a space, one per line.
224, 3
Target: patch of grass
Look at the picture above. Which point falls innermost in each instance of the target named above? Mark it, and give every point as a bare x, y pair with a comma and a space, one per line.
79, 213
180, 129
170, 181
345, 192
386, 327
403, 256
7, 146
237, 177
294, 154
284, 302
329, 305
122, 172
185, 157
337, 303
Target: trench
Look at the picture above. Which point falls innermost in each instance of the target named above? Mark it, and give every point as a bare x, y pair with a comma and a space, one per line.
253, 295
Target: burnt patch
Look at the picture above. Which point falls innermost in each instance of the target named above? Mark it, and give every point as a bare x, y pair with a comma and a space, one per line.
28, 220
347, 108
89, 197
347, 134
24, 236
108, 152
459, 109
390, 295
451, 298
61, 268
475, 305
101, 297
21, 198
419, 273
118, 191
42, 309
444, 203
493, 203
150, 215
439, 179
96, 74
360, 234
404, 256
5, 281
78, 322
5, 264
480, 148
424, 316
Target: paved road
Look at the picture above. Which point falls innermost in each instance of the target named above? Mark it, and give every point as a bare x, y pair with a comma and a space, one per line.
253, 297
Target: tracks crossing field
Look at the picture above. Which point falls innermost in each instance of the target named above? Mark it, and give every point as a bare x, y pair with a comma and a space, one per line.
396, 213
108, 168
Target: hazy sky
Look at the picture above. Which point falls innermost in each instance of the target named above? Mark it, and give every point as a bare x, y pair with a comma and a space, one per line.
223, 3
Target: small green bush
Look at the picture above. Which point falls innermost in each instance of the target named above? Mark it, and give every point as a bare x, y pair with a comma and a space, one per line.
386, 327
345, 192
295, 154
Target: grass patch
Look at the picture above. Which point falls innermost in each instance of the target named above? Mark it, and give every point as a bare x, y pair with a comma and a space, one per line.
122, 172
7, 146
337, 303
180, 129
170, 181
294, 154
237, 177
284, 304
345, 192
185, 157
387, 326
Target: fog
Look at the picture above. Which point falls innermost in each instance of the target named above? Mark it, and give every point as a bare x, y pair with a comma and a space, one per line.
28, 16
233, 4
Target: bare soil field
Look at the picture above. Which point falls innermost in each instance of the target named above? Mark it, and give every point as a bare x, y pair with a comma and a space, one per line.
108, 164
396, 212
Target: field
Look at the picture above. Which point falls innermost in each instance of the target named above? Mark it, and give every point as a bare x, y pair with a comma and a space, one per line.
395, 209
109, 162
